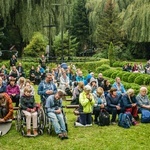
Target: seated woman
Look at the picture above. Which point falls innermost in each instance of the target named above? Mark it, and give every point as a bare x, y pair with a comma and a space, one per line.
143, 100
64, 81
76, 92
130, 103
86, 103
113, 104
21, 83
28, 84
54, 111
32, 74
100, 103
13, 91
6, 107
27, 105
106, 87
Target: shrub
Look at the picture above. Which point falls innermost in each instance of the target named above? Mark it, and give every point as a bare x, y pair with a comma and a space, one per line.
132, 77
36, 46
147, 80
120, 74
119, 63
114, 74
108, 72
102, 68
139, 80
125, 76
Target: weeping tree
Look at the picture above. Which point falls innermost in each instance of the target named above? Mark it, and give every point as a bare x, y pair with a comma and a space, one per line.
28, 17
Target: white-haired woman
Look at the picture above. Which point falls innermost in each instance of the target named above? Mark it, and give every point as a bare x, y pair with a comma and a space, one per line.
86, 103
144, 104
142, 99
130, 103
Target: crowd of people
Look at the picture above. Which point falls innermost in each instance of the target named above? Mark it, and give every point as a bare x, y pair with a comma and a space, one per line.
137, 68
91, 93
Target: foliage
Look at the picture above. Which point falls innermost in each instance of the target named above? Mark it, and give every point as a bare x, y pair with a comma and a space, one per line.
132, 77
37, 45
102, 68
69, 45
80, 24
108, 30
111, 54
119, 63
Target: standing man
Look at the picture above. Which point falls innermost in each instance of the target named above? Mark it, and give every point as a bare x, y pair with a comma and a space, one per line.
42, 62
13, 61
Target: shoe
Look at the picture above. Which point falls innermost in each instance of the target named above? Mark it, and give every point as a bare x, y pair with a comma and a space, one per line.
77, 124
136, 118
88, 125
113, 123
61, 136
28, 132
65, 135
35, 132
135, 123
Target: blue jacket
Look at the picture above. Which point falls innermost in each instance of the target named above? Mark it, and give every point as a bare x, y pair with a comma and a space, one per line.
3, 88
113, 102
121, 90
43, 87
127, 103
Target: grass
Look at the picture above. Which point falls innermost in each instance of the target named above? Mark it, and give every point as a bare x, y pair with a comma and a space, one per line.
81, 138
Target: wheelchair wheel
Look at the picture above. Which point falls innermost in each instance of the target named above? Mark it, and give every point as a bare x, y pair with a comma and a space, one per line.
41, 119
18, 120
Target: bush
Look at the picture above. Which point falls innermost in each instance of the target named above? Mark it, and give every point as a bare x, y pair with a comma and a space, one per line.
108, 72
119, 63
102, 68
125, 76
36, 46
120, 74
114, 74
139, 80
132, 77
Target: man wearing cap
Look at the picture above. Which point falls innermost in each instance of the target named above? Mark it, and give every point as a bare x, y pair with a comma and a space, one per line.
6, 107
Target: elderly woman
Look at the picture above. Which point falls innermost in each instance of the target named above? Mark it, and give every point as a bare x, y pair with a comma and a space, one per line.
86, 102
113, 103
143, 100
144, 104
130, 103
100, 103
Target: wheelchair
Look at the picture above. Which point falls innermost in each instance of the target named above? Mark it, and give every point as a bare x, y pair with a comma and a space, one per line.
48, 122
20, 121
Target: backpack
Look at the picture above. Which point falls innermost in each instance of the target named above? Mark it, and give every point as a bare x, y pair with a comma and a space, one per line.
104, 118
145, 117
125, 120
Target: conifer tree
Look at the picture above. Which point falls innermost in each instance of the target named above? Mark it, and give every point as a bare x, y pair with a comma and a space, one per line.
80, 24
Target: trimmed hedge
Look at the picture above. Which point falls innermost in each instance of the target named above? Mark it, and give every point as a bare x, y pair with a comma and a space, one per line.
102, 68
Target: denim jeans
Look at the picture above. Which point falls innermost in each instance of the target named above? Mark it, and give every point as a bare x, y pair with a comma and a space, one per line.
58, 122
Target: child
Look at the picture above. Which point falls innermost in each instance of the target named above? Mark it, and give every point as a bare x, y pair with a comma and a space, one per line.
27, 103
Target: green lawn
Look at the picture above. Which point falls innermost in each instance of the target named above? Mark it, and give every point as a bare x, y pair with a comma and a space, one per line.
82, 138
